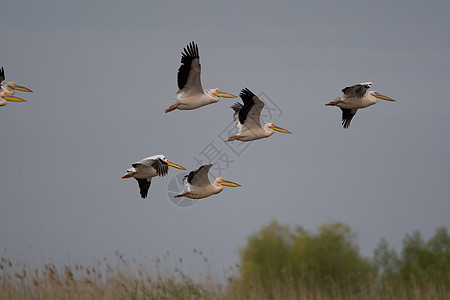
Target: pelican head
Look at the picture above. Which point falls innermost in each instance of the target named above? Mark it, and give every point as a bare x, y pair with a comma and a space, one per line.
379, 96
216, 93
15, 86
9, 97
171, 164
227, 182
9, 84
276, 128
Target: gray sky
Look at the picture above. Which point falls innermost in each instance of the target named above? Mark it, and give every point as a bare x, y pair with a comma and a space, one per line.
104, 71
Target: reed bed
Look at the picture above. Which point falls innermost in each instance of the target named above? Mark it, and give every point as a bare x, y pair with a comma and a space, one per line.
115, 277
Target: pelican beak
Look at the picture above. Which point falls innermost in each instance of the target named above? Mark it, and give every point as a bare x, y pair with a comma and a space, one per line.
22, 88
175, 165
13, 98
279, 129
225, 95
383, 97
229, 183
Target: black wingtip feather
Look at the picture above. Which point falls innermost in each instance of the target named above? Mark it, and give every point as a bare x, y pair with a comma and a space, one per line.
144, 186
190, 52
347, 117
247, 96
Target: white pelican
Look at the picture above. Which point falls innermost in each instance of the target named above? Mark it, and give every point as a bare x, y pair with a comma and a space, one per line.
145, 169
355, 97
7, 90
247, 120
190, 94
199, 186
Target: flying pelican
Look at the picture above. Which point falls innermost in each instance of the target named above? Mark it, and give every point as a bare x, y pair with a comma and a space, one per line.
199, 186
7, 90
355, 97
145, 169
247, 120
190, 94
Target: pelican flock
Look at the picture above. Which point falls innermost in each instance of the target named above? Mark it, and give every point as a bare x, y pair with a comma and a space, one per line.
247, 119
145, 169
355, 97
199, 186
190, 94
8, 90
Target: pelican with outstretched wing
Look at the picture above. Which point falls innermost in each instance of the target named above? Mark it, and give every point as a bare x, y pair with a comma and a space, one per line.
247, 119
199, 186
190, 93
356, 97
145, 169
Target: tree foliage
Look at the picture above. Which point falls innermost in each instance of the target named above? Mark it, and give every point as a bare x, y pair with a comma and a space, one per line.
419, 263
278, 258
329, 258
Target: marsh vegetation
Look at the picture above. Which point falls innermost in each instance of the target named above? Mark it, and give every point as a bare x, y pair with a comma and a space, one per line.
278, 262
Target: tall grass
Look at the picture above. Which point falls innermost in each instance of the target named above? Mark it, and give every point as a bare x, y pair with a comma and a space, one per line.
115, 277
110, 278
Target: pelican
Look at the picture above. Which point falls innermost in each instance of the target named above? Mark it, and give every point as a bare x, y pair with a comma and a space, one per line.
190, 94
199, 186
247, 120
355, 97
145, 169
7, 90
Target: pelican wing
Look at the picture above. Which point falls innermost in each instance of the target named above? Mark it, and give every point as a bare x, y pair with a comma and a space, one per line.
250, 113
347, 116
144, 185
237, 108
190, 69
2, 75
158, 164
199, 177
357, 90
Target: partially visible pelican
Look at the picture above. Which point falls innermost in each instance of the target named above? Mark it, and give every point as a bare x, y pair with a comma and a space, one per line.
199, 186
145, 169
247, 119
190, 94
355, 97
7, 90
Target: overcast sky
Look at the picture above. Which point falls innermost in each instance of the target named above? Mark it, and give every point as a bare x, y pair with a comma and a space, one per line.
104, 71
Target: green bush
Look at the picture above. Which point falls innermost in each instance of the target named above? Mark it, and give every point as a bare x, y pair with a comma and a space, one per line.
419, 264
328, 260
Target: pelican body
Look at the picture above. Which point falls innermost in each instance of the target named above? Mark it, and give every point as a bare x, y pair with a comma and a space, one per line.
8, 89
199, 186
247, 119
145, 169
190, 93
354, 98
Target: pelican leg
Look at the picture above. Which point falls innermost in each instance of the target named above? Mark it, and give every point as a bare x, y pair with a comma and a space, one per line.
182, 195
129, 175
173, 106
232, 138
334, 102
